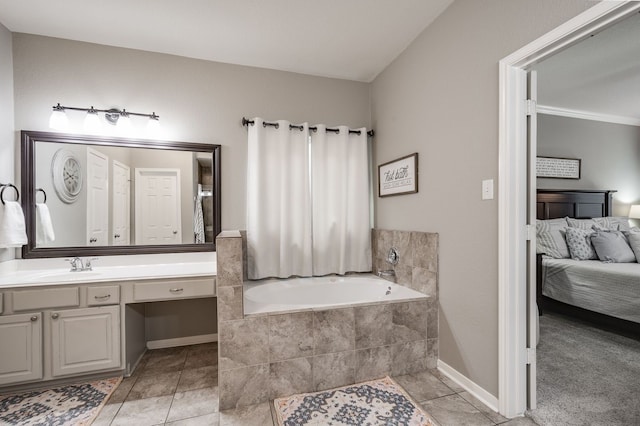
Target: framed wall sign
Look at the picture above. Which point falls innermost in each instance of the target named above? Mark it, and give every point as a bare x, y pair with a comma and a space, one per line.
559, 168
398, 176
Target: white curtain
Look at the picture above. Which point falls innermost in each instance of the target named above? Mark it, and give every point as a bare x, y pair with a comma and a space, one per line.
340, 194
278, 201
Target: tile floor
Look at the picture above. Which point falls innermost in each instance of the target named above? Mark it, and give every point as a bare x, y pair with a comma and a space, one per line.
179, 386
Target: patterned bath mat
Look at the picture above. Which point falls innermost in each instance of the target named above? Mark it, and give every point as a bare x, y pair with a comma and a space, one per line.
67, 405
378, 402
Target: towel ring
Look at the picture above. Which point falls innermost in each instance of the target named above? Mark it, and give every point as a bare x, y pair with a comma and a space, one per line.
5, 186
43, 193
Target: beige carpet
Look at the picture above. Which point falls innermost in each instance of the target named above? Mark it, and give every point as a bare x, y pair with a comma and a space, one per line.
77, 404
377, 402
586, 376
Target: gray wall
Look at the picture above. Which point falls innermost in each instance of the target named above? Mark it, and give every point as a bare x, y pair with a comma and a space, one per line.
440, 98
198, 101
610, 155
7, 151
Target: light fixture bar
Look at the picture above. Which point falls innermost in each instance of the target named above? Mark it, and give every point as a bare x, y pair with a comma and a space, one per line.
59, 107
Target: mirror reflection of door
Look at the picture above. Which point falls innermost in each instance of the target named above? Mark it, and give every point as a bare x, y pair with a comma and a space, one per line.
97, 198
157, 206
121, 204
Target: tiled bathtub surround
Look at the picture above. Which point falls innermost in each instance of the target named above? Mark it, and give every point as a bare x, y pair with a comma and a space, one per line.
417, 268
267, 356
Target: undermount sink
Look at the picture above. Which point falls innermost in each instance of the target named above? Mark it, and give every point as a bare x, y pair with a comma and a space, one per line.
62, 275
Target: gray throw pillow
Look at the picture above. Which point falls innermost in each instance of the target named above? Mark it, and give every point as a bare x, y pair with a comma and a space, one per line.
612, 246
580, 223
619, 223
550, 238
579, 242
633, 237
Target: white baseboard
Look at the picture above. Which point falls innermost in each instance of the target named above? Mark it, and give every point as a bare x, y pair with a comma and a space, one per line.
182, 341
468, 385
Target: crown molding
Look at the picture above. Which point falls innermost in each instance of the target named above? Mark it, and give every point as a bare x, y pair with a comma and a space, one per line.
586, 115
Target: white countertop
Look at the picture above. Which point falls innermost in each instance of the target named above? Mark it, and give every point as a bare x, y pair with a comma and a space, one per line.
56, 271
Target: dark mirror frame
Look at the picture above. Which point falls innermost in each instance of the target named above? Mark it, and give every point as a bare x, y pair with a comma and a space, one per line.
28, 144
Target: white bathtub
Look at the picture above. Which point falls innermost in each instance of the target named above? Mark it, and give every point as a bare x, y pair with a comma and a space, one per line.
296, 294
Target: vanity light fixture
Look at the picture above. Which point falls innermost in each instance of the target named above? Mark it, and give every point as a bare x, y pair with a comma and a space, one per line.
92, 123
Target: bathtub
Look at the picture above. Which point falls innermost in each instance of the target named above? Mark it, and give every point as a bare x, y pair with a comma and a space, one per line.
299, 294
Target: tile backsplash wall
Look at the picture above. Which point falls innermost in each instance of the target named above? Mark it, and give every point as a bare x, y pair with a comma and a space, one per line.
417, 268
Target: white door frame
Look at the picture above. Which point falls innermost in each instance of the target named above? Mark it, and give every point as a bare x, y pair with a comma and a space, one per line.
512, 234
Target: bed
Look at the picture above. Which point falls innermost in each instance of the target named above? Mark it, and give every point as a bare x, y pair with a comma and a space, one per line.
607, 294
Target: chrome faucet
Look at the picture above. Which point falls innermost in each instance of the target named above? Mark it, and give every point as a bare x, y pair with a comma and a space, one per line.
386, 273
78, 265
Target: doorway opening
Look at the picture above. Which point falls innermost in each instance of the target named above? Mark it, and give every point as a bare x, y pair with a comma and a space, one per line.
517, 334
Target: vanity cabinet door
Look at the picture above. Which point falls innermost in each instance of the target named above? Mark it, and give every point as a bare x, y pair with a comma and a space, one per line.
20, 348
85, 340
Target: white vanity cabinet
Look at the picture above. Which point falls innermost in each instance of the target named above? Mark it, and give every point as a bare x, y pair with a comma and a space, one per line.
53, 332
85, 340
20, 348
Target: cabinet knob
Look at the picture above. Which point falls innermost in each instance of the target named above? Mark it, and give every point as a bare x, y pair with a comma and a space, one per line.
175, 232
55, 315
34, 318
176, 290
93, 240
116, 236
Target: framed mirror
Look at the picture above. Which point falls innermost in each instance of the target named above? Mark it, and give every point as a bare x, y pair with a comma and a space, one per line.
97, 196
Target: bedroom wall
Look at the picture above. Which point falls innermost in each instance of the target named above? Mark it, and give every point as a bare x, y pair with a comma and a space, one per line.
610, 155
198, 101
440, 98
7, 149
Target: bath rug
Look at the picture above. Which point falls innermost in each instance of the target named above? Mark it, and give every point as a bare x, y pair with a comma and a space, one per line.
378, 402
77, 404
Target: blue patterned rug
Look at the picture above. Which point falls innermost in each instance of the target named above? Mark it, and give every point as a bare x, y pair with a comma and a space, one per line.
378, 402
64, 406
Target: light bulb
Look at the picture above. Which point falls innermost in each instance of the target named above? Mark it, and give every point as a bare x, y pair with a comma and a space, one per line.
92, 121
124, 124
153, 126
58, 120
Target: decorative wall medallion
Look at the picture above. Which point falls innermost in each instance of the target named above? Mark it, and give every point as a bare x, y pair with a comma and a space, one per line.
66, 172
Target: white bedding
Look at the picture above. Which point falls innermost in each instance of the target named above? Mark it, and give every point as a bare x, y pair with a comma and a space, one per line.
608, 288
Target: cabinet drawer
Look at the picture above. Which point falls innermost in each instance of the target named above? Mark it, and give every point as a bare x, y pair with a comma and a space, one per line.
103, 295
46, 298
168, 290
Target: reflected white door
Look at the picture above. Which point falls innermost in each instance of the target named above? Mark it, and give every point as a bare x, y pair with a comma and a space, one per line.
157, 206
121, 204
97, 198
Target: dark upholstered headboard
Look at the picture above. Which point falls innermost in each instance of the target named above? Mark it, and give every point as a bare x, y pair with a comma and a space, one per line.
580, 204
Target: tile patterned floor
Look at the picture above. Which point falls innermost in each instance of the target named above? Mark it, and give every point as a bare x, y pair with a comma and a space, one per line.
179, 387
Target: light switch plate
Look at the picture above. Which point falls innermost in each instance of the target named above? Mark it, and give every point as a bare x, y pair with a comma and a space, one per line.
487, 189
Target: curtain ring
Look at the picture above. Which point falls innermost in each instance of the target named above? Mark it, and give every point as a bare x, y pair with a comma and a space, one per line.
8, 185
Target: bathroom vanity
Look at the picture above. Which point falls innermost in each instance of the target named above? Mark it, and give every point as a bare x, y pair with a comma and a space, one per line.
57, 324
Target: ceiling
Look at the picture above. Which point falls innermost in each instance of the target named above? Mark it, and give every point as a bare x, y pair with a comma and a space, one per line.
599, 75
348, 39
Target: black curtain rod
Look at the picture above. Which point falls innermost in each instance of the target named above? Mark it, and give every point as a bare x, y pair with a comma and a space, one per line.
246, 122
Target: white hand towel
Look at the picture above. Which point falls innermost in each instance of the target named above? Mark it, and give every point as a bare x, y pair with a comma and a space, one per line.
44, 227
12, 229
